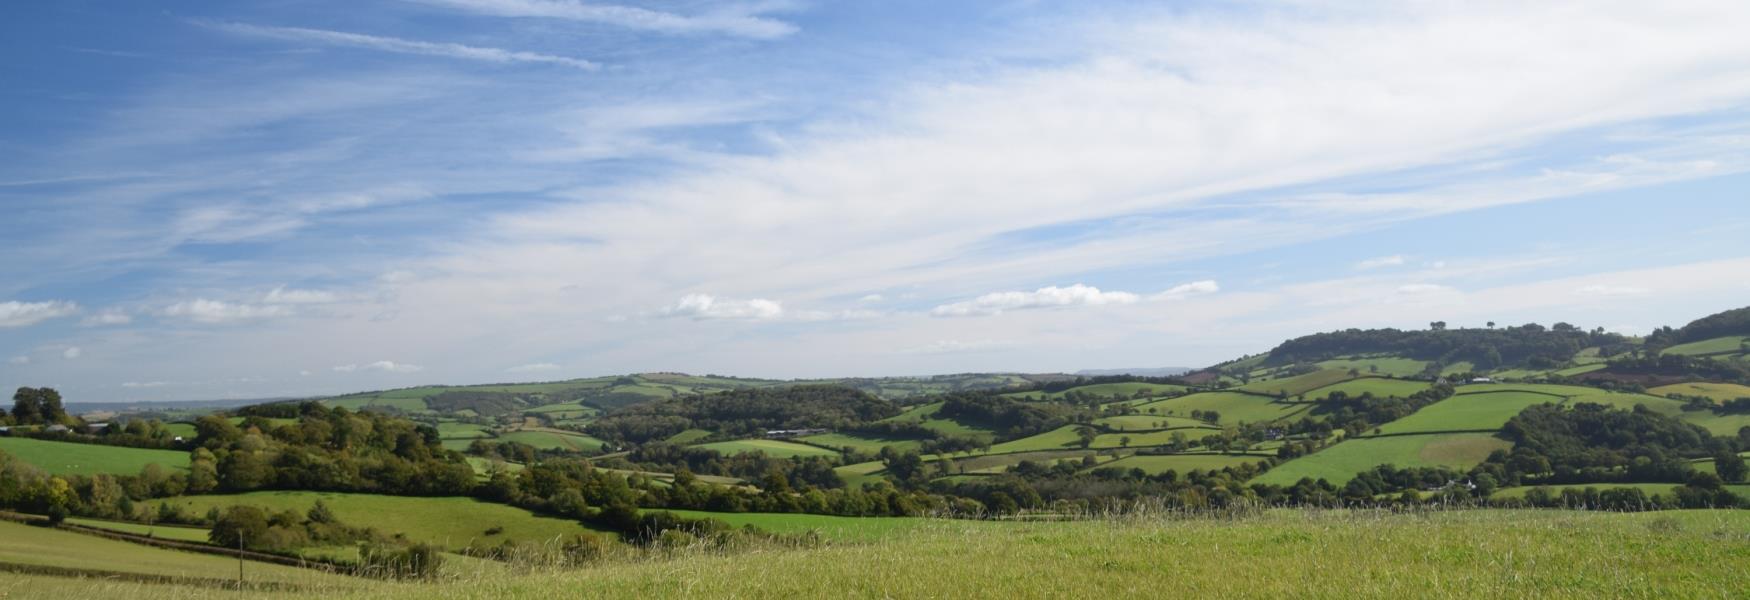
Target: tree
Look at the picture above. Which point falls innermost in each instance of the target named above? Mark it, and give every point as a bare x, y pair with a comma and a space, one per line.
242, 524
1731, 467
1124, 442
1437, 325
27, 409
1085, 436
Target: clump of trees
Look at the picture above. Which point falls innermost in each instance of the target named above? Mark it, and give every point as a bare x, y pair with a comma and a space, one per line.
746, 412
38, 406
1531, 345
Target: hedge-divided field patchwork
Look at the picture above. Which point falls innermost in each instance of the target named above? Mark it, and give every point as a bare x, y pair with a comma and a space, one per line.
1147, 422
550, 439
450, 522
1298, 384
1380, 387
861, 443
1719, 345
1468, 412
1379, 365
1182, 463
1716, 391
772, 448
925, 414
1233, 407
1340, 462
68, 458
1126, 390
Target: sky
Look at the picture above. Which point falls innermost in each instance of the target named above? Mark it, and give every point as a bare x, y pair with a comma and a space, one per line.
206, 200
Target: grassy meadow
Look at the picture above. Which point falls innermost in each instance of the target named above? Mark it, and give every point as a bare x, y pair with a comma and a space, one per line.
773, 448
1277, 554
1340, 462
68, 458
452, 523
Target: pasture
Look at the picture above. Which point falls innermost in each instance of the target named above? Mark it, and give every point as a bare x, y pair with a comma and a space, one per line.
1298, 384
1378, 365
861, 443
1468, 412
828, 527
689, 436
1340, 462
1719, 345
1717, 391
772, 448
1278, 554
168, 532
31, 546
450, 522
1181, 463
1125, 390
1145, 422
553, 439
1233, 407
1380, 387
68, 458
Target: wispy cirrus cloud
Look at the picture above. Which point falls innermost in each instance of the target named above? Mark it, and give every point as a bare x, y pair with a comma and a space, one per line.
732, 19
401, 46
1046, 297
202, 310
1395, 260
385, 366
534, 368
20, 314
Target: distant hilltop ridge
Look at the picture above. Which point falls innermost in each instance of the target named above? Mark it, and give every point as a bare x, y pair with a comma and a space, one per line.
1138, 371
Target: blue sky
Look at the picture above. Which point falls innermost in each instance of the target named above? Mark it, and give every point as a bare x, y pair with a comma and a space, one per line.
220, 199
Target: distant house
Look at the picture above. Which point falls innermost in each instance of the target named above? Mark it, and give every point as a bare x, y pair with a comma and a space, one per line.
95, 427
57, 428
5, 431
1481, 380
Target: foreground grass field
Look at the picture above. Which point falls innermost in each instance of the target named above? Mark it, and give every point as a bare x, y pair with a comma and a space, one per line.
28, 546
1287, 554
67, 458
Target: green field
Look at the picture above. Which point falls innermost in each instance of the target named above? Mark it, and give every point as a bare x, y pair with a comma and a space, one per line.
861, 443
689, 436
451, 522
462, 431
548, 439
1378, 386
1233, 407
925, 414
1298, 384
1279, 554
1468, 412
1339, 463
773, 448
1626, 401
39, 546
1717, 391
1540, 388
1582, 369
168, 532
826, 526
1381, 365
1141, 422
68, 458
855, 475
1182, 463
409, 404
1719, 345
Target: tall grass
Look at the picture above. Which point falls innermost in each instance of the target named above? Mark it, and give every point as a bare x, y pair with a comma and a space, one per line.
1143, 551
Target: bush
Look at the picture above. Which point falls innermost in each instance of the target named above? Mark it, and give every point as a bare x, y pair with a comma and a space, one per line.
417, 561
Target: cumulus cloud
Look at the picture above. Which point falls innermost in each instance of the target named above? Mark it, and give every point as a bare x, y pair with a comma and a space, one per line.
1186, 290
1046, 297
401, 46
72, 352
1610, 290
108, 317
202, 310
1395, 260
706, 306
738, 20
19, 314
386, 366
533, 368
282, 295
19, 360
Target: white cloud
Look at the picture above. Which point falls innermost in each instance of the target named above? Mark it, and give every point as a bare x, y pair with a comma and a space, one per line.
1610, 290
958, 346
108, 317
1186, 290
871, 298
534, 368
1395, 260
145, 384
743, 20
401, 46
20, 314
706, 306
387, 366
305, 373
281, 295
19, 360
1052, 296
202, 310
72, 352
1418, 289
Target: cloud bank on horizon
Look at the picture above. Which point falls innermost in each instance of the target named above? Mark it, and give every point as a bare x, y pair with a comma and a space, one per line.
221, 200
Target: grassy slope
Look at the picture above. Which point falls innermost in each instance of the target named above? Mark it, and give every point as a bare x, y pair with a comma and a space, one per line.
1298, 384
1126, 389
449, 522
1719, 345
1181, 462
828, 527
67, 458
775, 448
1716, 391
1386, 365
1339, 463
1234, 407
1378, 386
168, 532
554, 440
1338, 554
861, 443
1469, 411
27, 545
